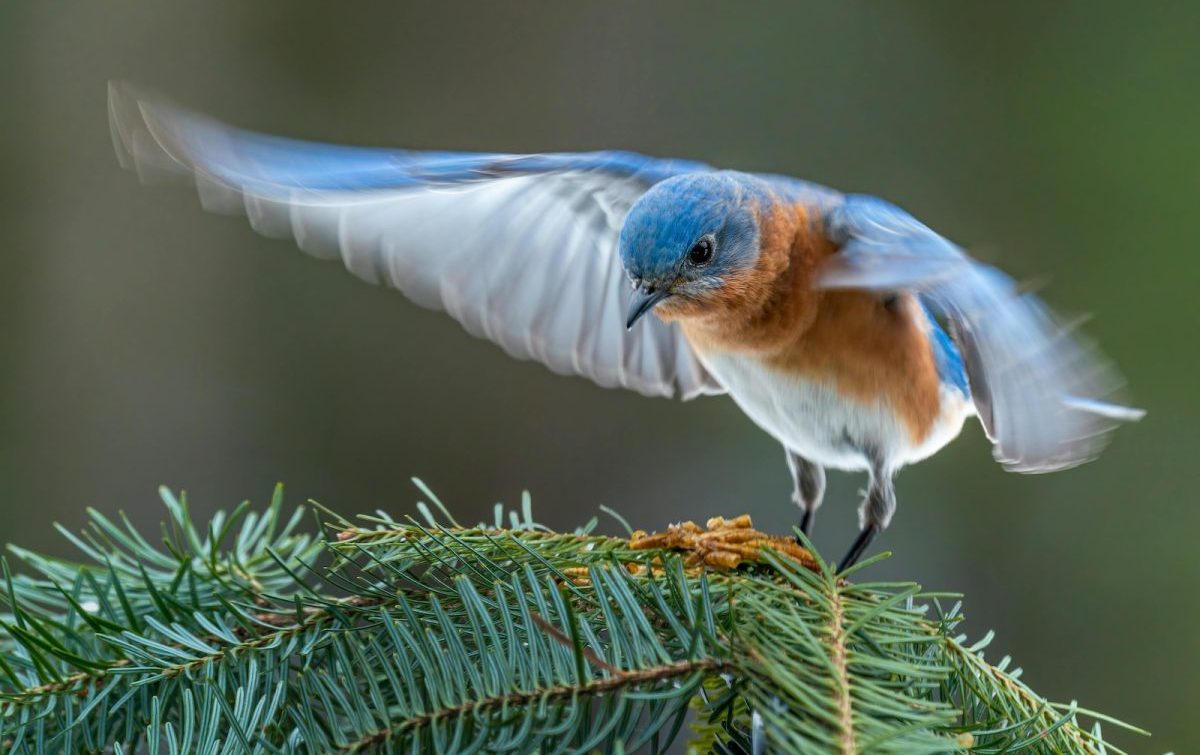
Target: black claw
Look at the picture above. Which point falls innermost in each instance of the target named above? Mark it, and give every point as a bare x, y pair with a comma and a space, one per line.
856, 551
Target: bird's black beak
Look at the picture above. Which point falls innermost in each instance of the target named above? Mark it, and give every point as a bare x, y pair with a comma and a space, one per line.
643, 301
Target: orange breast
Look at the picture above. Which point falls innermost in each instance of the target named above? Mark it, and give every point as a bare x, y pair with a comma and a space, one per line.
868, 349
870, 352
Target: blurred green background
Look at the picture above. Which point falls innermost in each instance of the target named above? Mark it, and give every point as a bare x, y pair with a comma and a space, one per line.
144, 342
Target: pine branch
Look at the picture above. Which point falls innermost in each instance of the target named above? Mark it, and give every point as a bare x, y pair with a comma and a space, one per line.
617, 681
249, 635
837, 647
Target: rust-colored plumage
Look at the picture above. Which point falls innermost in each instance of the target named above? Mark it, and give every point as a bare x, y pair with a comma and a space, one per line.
869, 347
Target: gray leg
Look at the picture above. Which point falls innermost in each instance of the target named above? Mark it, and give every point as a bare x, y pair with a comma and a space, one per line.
808, 488
874, 515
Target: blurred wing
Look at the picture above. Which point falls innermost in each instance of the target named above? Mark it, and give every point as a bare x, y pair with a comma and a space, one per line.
1038, 390
521, 249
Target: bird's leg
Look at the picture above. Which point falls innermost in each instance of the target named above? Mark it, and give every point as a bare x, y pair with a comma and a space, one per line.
808, 488
873, 515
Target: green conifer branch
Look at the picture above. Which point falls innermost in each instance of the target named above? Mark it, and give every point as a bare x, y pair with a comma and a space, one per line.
248, 634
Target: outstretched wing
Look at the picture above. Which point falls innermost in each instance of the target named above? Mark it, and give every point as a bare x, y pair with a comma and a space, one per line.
1038, 389
521, 249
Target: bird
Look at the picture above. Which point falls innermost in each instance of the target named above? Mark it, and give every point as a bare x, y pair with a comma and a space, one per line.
853, 334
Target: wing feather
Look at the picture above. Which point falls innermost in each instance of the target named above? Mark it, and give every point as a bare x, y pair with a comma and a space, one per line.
1039, 389
520, 249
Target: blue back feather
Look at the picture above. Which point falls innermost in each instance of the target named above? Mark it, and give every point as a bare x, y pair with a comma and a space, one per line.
946, 355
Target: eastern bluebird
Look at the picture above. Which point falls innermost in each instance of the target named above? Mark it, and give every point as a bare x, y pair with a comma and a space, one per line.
850, 332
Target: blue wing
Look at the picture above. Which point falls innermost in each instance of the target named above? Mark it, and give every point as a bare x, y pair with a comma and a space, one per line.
267, 163
1038, 389
519, 248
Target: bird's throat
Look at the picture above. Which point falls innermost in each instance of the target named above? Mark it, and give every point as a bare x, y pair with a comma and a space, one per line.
767, 308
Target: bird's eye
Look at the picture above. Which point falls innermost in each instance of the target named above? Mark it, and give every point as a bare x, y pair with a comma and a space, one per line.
701, 253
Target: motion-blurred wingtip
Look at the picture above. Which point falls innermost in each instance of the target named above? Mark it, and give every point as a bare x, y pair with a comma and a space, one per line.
131, 124
1104, 409
118, 101
148, 136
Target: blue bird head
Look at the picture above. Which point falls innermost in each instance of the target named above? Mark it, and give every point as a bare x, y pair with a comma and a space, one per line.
685, 235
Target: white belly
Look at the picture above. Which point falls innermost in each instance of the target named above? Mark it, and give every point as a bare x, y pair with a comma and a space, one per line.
812, 419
